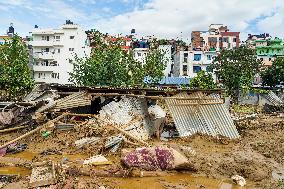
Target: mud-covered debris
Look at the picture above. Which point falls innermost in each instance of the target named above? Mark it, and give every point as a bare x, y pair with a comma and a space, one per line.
239, 180
43, 175
85, 141
64, 126
113, 143
97, 160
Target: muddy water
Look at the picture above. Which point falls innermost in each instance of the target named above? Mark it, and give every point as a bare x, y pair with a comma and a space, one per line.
179, 181
12, 170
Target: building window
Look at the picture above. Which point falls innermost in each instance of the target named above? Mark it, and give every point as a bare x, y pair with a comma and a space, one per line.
45, 63
71, 49
72, 37
57, 38
138, 54
58, 50
235, 40
185, 57
209, 57
225, 39
269, 59
54, 63
47, 50
55, 75
197, 57
208, 69
184, 70
41, 75
196, 69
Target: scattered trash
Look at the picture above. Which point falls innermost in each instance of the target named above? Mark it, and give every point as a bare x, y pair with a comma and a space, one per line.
239, 180
45, 134
97, 160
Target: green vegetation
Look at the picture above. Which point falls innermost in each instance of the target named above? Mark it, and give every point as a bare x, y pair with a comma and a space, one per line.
109, 65
236, 69
203, 80
15, 80
274, 75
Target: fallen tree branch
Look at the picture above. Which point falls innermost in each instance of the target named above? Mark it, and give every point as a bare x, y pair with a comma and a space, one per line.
33, 131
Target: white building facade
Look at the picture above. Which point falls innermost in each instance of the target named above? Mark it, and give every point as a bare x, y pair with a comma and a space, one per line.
167, 49
54, 51
188, 63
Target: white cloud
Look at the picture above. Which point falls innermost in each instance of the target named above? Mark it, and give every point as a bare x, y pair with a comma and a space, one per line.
168, 18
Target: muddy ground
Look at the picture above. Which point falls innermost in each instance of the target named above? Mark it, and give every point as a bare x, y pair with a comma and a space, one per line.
258, 156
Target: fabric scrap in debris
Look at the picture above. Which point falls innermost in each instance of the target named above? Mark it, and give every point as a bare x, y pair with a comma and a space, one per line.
155, 158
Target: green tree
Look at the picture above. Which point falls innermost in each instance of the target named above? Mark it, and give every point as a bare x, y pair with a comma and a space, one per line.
203, 80
15, 74
274, 75
109, 65
236, 69
155, 65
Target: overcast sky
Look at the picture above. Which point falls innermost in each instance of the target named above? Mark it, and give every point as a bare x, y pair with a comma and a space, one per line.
162, 18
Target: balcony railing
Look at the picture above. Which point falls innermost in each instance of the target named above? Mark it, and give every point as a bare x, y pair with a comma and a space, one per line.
44, 55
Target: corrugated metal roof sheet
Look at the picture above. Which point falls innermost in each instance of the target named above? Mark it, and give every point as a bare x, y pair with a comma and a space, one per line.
274, 99
170, 81
203, 115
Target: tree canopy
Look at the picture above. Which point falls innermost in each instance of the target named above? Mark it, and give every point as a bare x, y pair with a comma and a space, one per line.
110, 65
274, 75
203, 80
236, 69
16, 77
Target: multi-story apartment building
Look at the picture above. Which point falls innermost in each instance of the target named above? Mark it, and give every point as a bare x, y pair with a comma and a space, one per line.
188, 63
140, 50
6, 38
217, 37
205, 45
250, 42
54, 51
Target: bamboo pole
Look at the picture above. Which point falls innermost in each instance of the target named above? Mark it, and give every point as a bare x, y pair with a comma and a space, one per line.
13, 129
33, 131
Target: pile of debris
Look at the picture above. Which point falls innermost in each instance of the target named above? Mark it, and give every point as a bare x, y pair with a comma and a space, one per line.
123, 120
